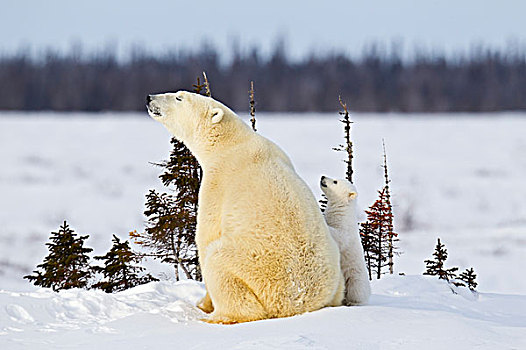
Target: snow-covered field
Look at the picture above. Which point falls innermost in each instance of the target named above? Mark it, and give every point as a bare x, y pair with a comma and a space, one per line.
457, 177
404, 313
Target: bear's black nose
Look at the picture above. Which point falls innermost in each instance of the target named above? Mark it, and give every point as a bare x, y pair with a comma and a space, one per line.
148, 98
323, 178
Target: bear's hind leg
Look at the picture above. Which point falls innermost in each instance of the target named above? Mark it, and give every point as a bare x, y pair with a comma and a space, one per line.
233, 300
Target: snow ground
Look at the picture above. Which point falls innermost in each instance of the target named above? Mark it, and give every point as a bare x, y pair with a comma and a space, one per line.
457, 177
410, 312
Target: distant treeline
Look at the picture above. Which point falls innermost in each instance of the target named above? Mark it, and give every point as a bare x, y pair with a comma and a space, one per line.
484, 80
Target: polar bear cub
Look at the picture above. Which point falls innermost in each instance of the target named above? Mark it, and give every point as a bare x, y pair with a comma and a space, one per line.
340, 215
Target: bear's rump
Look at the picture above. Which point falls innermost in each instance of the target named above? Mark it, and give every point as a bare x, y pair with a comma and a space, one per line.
287, 279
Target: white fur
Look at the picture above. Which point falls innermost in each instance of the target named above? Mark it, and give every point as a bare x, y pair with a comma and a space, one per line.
264, 248
340, 215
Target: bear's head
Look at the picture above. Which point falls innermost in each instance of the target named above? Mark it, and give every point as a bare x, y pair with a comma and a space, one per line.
339, 191
198, 121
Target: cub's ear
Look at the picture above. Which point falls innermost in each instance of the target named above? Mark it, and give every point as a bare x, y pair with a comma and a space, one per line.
352, 195
217, 115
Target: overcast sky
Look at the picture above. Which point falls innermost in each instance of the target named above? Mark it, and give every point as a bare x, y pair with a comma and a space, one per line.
307, 26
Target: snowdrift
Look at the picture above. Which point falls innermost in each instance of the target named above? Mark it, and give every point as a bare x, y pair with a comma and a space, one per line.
405, 312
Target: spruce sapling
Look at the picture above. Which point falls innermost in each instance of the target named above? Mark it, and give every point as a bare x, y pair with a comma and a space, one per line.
388, 217
374, 233
198, 87
119, 270
436, 266
67, 264
170, 232
377, 232
469, 277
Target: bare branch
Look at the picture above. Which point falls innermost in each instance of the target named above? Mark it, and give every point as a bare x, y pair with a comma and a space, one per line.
252, 106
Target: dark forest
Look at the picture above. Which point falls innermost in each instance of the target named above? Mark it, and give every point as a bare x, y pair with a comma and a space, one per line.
483, 80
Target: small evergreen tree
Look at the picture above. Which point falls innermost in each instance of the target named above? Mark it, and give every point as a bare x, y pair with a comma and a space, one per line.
436, 266
392, 237
469, 277
374, 233
119, 270
377, 232
171, 222
198, 87
67, 264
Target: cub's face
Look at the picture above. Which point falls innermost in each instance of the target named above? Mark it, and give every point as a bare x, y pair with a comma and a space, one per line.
183, 113
339, 190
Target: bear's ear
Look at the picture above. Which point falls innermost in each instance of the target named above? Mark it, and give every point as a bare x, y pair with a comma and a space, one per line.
352, 195
217, 115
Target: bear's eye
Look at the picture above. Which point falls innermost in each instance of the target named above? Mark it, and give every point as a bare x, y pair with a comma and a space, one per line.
178, 98
335, 181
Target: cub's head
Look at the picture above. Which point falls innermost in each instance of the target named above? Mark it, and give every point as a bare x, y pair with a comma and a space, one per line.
190, 117
341, 190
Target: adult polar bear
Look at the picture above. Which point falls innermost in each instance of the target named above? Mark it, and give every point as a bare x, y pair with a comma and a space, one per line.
264, 248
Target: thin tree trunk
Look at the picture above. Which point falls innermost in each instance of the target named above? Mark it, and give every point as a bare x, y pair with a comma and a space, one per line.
186, 272
179, 263
176, 256
126, 284
380, 254
369, 267
390, 254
